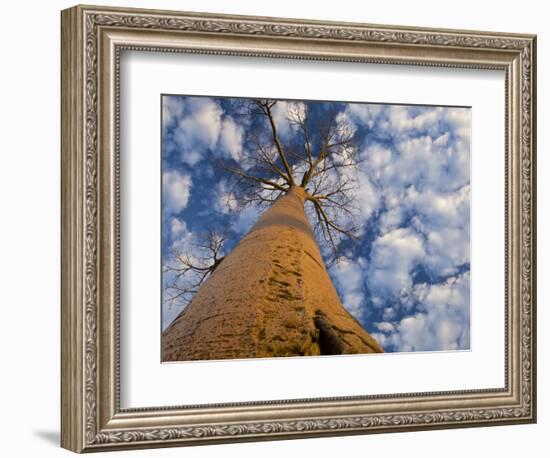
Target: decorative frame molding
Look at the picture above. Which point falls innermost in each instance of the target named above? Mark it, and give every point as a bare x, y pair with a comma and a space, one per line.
92, 39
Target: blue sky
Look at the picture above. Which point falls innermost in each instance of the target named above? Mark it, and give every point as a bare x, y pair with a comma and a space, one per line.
407, 276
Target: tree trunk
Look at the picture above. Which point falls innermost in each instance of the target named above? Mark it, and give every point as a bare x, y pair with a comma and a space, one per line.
271, 296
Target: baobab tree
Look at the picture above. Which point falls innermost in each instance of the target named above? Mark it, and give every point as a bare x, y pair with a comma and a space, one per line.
272, 295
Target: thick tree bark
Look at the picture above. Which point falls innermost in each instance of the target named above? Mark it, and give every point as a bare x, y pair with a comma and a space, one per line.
271, 296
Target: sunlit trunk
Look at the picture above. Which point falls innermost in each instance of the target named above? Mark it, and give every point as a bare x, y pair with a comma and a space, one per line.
271, 296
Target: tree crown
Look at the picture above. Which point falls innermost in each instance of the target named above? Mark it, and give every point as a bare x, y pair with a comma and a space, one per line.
320, 156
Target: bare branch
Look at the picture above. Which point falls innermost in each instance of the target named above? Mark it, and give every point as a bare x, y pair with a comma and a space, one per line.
321, 150
263, 181
267, 107
191, 269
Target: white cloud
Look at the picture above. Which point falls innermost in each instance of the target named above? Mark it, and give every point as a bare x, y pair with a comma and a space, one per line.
418, 163
377, 157
459, 119
177, 228
181, 239
282, 111
431, 145
280, 116
350, 278
444, 219
441, 323
389, 313
442, 209
231, 138
391, 219
172, 109
367, 196
393, 257
200, 125
366, 114
385, 326
199, 129
175, 190
447, 249
405, 118
204, 121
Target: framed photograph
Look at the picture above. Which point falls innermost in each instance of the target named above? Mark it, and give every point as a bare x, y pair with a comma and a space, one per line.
277, 228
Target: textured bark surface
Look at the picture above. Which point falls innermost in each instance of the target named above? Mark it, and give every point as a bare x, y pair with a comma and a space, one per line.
271, 296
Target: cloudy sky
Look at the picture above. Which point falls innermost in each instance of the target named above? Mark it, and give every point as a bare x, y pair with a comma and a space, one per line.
407, 277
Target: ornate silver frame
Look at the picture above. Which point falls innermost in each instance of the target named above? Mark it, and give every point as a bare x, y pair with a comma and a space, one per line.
92, 39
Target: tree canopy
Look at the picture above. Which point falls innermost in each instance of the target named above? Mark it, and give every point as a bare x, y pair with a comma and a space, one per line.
321, 156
